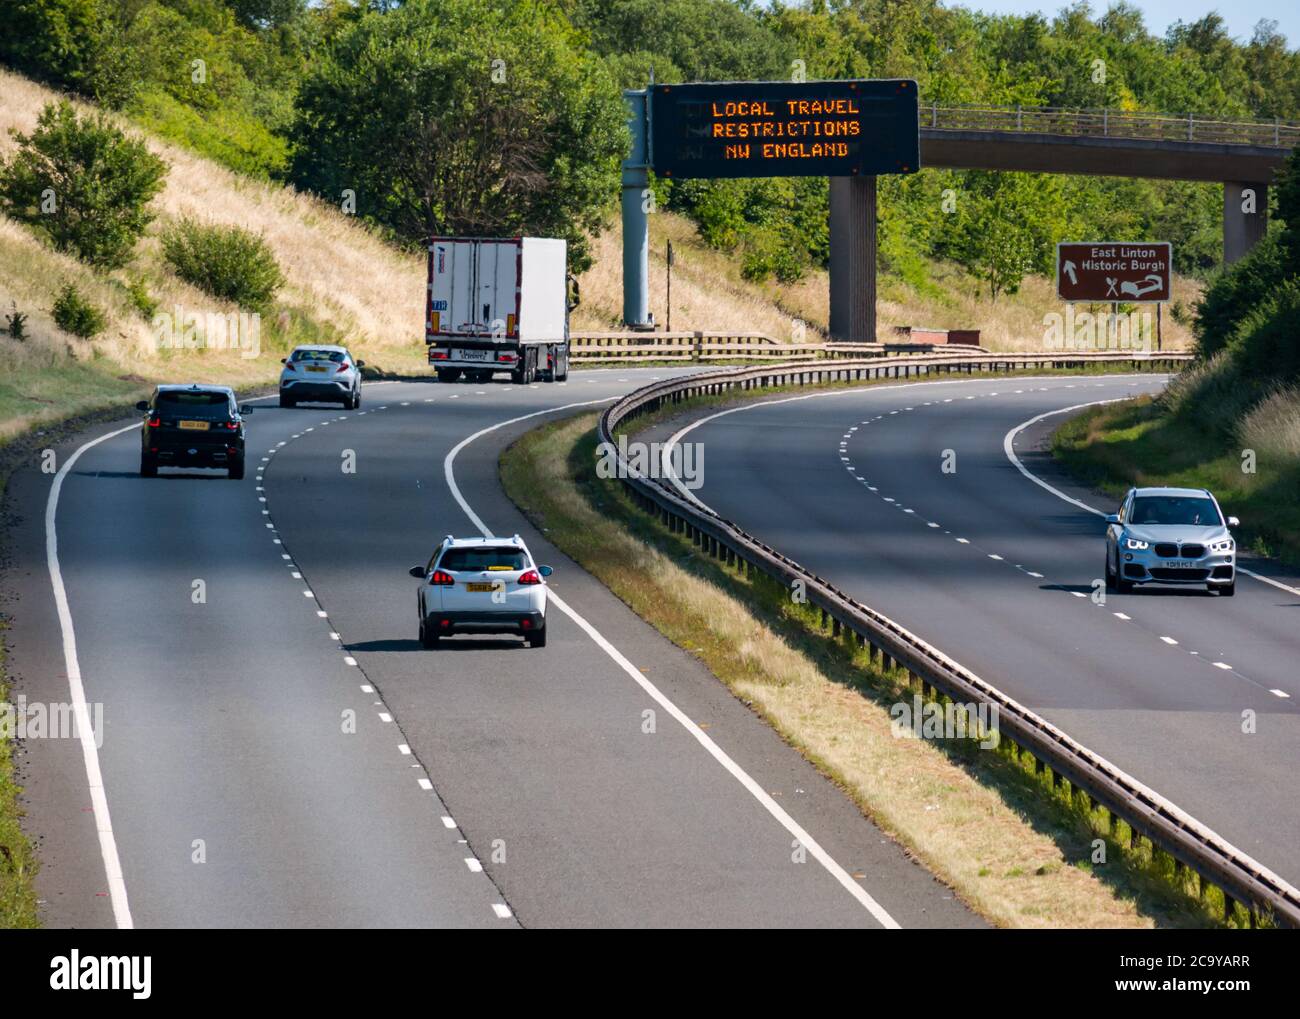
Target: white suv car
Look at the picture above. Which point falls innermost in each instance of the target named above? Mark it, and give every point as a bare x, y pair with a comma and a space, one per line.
481, 585
321, 373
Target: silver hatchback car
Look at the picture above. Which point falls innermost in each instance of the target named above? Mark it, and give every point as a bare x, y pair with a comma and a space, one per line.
1170, 536
321, 373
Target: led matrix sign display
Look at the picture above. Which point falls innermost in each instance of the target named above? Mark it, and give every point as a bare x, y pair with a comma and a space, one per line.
784, 129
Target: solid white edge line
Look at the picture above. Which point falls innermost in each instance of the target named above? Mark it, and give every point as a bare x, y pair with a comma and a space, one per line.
1015, 461
89, 752
1173, 807
735, 770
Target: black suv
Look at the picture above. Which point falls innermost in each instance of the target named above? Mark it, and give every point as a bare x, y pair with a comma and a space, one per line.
192, 426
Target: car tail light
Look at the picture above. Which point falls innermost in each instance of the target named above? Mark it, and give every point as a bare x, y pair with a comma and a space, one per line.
232, 425
527, 624
155, 422
530, 577
343, 367
442, 579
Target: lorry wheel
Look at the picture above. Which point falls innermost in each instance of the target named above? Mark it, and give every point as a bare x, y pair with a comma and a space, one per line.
562, 366
448, 374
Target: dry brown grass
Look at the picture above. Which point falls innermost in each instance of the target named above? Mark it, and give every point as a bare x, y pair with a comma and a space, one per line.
964, 831
710, 294
1272, 428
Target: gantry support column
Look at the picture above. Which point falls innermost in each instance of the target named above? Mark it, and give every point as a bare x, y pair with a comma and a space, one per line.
853, 259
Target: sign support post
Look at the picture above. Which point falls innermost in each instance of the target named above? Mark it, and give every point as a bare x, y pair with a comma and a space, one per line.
636, 222
853, 259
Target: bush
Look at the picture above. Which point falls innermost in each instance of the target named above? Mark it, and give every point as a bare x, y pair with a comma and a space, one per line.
137, 291
74, 314
83, 183
224, 261
75, 44
1238, 291
16, 323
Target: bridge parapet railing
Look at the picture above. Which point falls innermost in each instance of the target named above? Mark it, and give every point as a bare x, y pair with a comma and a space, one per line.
1107, 123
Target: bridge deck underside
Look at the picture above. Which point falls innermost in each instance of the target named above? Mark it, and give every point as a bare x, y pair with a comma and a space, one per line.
1110, 157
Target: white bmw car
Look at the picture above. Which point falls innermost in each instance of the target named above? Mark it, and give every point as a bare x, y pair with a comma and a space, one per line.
1171, 536
481, 585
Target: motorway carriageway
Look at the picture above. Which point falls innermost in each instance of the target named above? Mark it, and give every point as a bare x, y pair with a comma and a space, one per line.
998, 571
485, 785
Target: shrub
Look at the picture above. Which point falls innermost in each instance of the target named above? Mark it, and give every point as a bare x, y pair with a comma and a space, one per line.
16, 323
74, 314
224, 261
1238, 291
84, 183
75, 44
137, 290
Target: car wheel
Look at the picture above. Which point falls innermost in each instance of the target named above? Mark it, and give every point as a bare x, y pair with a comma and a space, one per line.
1121, 585
537, 638
356, 398
1228, 590
1109, 575
428, 638
148, 468
287, 401
236, 470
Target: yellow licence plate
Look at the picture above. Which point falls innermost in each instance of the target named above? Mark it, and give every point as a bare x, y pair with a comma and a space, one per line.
479, 587
313, 368
194, 426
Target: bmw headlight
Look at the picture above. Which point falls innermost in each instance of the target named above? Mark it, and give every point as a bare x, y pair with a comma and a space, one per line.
1136, 543
1226, 545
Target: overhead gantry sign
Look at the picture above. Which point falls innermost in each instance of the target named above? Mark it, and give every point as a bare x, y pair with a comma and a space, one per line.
784, 129
849, 131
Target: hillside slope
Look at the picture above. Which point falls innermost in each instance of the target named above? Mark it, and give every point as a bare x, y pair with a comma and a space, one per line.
344, 283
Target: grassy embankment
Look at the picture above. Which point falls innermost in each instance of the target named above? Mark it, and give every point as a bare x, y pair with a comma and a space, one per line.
1146, 442
1017, 852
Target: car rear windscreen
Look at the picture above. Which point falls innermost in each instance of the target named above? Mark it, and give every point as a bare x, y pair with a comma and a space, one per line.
466, 560
1187, 510
318, 355
200, 405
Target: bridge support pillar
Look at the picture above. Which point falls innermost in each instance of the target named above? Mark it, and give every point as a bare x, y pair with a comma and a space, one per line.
853, 259
1245, 218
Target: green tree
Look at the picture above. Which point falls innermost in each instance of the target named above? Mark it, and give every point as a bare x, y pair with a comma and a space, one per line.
83, 183
464, 117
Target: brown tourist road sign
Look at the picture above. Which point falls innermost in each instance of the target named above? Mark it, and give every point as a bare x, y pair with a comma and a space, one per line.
1117, 271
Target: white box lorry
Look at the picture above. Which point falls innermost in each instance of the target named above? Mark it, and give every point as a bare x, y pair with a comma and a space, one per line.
496, 305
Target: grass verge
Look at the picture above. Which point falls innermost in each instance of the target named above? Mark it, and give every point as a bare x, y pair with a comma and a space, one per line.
1017, 851
17, 861
1137, 443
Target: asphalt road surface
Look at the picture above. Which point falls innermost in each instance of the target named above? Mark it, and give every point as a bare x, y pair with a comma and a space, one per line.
278, 751
999, 573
